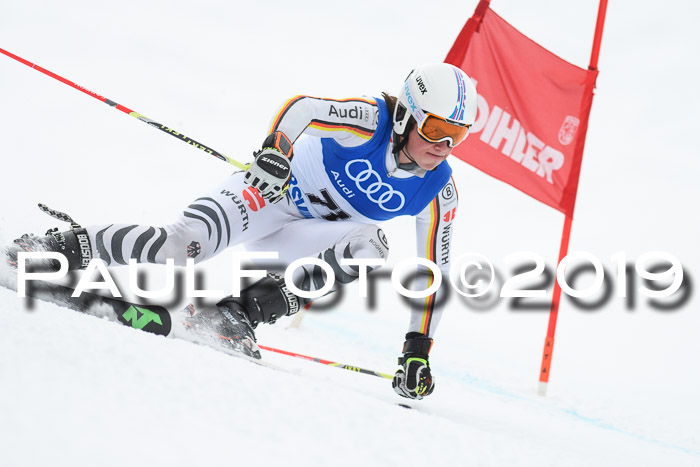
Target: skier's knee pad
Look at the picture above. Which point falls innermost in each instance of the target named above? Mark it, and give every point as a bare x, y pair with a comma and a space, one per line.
363, 242
367, 241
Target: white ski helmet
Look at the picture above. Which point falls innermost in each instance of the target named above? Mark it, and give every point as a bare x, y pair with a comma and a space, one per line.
442, 100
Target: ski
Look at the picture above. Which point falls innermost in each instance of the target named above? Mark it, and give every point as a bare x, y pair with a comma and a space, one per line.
154, 319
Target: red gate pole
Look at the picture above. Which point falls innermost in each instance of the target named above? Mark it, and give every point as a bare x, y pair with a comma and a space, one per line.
566, 233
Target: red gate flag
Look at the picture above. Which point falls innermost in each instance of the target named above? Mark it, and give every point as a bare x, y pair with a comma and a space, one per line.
532, 110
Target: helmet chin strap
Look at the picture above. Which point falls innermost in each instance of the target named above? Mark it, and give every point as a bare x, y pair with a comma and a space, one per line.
412, 166
400, 147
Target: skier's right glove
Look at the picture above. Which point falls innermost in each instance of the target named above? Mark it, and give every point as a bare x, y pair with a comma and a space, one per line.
271, 170
413, 380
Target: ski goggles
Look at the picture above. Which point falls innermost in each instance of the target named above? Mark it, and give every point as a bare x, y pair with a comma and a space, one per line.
437, 129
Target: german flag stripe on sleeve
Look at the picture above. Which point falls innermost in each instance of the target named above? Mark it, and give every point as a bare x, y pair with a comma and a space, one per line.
288, 105
351, 99
331, 126
431, 254
282, 112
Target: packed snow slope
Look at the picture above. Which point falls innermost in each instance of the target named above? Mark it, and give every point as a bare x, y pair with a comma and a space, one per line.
76, 390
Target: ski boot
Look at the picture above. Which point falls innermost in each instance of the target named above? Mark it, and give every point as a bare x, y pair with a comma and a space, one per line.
224, 327
265, 301
74, 244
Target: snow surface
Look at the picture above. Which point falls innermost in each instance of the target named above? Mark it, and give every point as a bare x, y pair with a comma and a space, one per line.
77, 391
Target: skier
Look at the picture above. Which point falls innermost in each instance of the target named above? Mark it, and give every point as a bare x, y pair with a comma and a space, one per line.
328, 171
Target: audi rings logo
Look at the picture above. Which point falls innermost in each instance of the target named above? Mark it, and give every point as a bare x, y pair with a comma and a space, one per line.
369, 182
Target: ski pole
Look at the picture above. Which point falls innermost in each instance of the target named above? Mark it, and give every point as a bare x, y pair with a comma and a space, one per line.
327, 362
128, 111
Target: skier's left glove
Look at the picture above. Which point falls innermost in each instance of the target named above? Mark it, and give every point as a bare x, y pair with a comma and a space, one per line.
413, 379
271, 170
